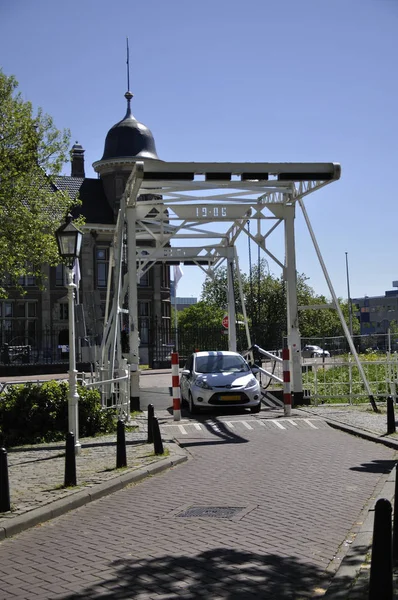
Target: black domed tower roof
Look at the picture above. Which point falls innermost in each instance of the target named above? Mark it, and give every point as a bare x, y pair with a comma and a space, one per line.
129, 138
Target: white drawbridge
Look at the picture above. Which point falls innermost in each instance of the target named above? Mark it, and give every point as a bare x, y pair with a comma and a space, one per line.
185, 204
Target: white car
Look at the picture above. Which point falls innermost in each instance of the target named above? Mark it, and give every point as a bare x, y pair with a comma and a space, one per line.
214, 379
314, 352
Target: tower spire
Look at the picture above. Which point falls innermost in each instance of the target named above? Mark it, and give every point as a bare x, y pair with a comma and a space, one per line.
128, 95
128, 65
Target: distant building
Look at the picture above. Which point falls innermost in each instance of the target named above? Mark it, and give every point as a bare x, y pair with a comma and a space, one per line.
375, 313
182, 303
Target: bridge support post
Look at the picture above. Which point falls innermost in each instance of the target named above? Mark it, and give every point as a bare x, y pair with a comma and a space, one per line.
293, 333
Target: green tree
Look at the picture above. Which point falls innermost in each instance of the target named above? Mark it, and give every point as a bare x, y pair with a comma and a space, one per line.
393, 328
265, 302
215, 289
32, 152
202, 314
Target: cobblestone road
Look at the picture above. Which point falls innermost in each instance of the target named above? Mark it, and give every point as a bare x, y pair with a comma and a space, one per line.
293, 497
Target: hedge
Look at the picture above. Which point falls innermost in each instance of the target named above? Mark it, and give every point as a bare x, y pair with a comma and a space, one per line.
33, 413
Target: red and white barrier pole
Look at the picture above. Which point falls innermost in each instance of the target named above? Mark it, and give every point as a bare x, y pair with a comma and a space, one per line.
175, 376
287, 395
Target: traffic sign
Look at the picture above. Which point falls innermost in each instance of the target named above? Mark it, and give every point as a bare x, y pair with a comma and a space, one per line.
225, 321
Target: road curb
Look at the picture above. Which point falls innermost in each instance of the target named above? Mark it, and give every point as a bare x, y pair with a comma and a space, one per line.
60, 507
372, 437
344, 580
367, 435
352, 561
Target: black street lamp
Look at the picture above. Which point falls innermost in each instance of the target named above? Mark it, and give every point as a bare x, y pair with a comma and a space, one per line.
69, 240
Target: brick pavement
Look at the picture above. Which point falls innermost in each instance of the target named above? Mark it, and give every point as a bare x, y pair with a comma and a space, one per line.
97, 472
36, 477
300, 491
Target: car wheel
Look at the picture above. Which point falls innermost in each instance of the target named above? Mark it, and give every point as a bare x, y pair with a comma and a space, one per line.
256, 409
193, 409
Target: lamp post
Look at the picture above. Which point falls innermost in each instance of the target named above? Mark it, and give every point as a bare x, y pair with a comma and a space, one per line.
69, 240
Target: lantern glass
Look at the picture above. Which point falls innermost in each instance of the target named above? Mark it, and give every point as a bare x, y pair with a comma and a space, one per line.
69, 239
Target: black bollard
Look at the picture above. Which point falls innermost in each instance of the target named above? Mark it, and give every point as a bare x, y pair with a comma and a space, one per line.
151, 414
70, 461
395, 521
157, 439
381, 583
390, 415
121, 458
5, 504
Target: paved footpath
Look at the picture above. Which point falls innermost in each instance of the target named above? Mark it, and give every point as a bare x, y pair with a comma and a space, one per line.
249, 509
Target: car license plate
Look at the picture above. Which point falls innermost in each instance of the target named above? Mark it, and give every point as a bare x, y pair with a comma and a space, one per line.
229, 398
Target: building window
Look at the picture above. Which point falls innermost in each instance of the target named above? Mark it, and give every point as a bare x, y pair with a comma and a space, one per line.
144, 280
166, 309
165, 276
144, 313
60, 275
144, 308
27, 281
7, 325
63, 312
102, 266
18, 322
20, 309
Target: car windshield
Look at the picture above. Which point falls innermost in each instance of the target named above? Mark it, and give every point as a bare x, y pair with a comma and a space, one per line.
221, 363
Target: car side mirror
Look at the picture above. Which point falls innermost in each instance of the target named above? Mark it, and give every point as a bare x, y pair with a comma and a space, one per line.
185, 372
254, 369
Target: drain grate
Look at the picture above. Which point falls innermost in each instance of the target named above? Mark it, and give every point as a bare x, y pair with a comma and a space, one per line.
215, 512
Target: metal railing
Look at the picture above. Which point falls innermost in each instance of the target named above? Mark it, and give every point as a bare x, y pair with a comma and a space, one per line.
115, 392
338, 378
47, 347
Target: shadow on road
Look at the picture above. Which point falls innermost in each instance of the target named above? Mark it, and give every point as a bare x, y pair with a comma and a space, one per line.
219, 573
376, 466
222, 434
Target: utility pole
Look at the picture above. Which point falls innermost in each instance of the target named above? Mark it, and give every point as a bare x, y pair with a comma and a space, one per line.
348, 292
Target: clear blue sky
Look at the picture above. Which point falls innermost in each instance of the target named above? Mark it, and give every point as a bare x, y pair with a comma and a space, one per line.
222, 80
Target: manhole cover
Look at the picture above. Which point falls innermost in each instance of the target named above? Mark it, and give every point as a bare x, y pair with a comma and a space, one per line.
216, 512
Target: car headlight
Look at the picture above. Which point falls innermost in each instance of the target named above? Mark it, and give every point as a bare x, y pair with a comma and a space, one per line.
252, 381
202, 383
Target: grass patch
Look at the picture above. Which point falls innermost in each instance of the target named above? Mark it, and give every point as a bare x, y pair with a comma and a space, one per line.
135, 413
131, 428
166, 452
61, 486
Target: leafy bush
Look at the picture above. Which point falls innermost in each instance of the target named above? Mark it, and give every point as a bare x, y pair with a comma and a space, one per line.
32, 413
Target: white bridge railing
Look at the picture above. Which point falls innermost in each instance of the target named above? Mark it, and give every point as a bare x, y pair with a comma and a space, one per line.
335, 378
276, 361
115, 392
338, 379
